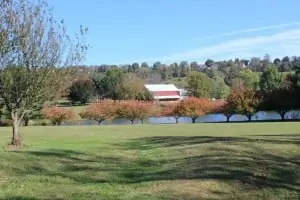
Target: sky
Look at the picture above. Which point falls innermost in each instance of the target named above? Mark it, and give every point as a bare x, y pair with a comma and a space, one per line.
127, 31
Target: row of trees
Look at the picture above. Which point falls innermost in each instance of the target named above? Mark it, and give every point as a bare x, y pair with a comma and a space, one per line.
242, 100
228, 70
132, 110
114, 84
181, 69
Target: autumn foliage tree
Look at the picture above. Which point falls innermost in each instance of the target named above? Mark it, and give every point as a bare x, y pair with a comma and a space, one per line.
100, 111
242, 100
57, 114
133, 109
194, 107
169, 110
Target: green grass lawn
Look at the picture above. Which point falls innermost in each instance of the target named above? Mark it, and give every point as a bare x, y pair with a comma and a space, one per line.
153, 162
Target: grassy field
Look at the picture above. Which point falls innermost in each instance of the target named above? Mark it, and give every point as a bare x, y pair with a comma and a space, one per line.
153, 162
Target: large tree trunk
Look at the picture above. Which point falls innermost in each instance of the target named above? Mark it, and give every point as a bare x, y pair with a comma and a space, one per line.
177, 119
16, 139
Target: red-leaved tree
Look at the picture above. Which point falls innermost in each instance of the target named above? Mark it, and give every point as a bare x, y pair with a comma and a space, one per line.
57, 114
169, 110
243, 101
99, 111
220, 106
194, 107
133, 109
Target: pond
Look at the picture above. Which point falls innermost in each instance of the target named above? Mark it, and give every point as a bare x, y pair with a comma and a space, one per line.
186, 120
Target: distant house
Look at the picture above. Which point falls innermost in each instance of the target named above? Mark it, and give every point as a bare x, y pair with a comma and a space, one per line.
164, 92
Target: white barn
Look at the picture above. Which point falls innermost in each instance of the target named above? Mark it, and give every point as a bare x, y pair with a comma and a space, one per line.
164, 92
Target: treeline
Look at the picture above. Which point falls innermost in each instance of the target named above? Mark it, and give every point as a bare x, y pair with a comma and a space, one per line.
248, 91
134, 110
210, 80
280, 98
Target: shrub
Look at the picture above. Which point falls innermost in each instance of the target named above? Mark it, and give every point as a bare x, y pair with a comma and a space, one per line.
100, 111
57, 114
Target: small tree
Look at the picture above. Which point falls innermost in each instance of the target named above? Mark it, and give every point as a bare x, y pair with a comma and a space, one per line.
226, 110
100, 111
221, 106
243, 101
170, 110
133, 110
32, 45
57, 114
81, 90
194, 107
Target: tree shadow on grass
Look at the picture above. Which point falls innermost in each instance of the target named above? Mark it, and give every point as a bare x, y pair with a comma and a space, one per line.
147, 143
73, 165
249, 165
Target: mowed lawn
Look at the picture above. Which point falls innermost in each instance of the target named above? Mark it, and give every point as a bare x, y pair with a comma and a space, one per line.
153, 162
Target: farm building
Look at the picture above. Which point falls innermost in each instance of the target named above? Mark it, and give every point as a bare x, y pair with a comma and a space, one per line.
164, 92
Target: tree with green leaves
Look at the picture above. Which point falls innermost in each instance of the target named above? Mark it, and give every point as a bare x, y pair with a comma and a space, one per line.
32, 45
270, 79
107, 83
250, 79
132, 87
222, 90
184, 68
282, 99
144, 65
199, 85
81, 90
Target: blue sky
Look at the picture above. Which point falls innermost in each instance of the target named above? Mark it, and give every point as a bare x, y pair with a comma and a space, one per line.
127, 31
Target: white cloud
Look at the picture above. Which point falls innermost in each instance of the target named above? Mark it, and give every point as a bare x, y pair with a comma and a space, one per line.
284, 42
279, 44
251, 30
